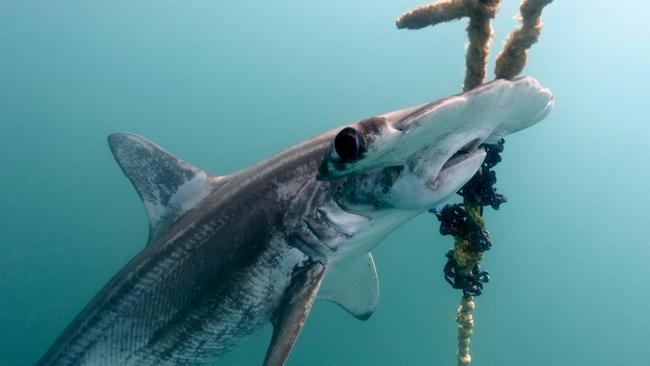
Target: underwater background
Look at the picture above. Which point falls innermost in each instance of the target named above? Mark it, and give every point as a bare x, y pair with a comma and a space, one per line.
224, 84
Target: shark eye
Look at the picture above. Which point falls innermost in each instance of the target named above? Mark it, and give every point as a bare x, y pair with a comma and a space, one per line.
348, 144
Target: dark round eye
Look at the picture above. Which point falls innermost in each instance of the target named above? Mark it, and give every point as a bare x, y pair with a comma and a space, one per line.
348, 144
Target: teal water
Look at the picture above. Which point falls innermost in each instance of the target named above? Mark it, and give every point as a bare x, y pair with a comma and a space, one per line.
226, 84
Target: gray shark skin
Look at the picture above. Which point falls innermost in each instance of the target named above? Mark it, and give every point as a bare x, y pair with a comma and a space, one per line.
227, 255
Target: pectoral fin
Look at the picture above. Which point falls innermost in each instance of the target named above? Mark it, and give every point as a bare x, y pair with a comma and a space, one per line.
353, 286
291, 315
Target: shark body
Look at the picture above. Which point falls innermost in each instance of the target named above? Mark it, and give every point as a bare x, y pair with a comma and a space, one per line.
226, 255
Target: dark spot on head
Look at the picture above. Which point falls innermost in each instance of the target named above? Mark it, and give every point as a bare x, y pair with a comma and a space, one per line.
371, 127
388, 177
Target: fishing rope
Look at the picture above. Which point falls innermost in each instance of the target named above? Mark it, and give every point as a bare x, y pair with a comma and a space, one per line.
479, 29
465, 221
471, 239
465, 329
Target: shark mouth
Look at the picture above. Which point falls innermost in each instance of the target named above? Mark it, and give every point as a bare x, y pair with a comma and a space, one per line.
467, 151
457, 170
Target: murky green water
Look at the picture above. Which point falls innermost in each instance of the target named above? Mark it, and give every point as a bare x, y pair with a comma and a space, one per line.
225, 84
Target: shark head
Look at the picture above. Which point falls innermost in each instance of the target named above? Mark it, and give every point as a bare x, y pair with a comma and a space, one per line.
382, 171
414, 158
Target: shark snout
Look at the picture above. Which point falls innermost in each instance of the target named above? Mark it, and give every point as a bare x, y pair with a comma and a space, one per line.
442, 140
437, 145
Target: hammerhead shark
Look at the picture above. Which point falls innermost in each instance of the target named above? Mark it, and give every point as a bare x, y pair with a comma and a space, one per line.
228, 254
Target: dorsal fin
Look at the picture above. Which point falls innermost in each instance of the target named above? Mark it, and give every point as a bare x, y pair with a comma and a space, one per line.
168, 186
353, 286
